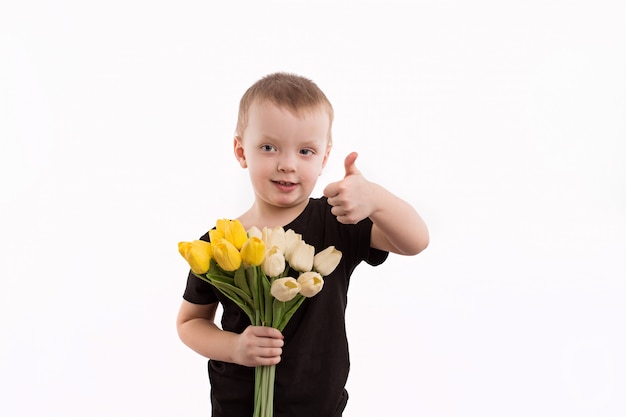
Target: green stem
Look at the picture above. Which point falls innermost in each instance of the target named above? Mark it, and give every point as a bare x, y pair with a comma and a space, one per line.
264, 391
270, 391
257, 391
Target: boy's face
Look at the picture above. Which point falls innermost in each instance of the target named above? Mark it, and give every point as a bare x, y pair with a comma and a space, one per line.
284, 152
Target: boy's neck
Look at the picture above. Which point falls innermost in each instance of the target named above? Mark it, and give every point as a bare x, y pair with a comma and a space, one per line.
261, 216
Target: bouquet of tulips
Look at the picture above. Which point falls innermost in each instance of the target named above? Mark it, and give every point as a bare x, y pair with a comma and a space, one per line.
251, 268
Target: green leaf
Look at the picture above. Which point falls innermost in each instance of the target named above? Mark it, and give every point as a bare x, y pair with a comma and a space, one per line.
279, 308
238, 297
221, 278
251, 277
290, 308
251, 274
226, 286
215, 269
241, 281
234, 291
268, 298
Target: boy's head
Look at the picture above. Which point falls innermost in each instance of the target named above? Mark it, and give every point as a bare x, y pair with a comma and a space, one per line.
292, 92
283, 139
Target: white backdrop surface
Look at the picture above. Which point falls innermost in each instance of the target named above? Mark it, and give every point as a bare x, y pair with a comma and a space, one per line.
504, 124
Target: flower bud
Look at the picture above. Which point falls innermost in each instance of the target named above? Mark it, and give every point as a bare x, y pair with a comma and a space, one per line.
311, 283
274, 237
302, 257
216, 234
235, 233
197, 254
285, 289
274, 262
221, 225
255, 232
327, 260
253, 251
292, 238
226, 255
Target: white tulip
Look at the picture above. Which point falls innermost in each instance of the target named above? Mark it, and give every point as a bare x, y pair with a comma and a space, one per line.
274, 237
327, 260
311, 283
255, 232
292, 238
285, 289
274, 262
302, 257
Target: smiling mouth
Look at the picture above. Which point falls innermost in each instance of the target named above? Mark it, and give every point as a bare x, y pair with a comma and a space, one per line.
284, 183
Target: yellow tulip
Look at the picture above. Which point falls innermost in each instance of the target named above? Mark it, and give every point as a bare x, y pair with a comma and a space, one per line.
311, 283
285, 289
327, 260
253, 251
274, 262
216, 234
226, 255
197, 254
302, 257
274, 237
235, 233
221, 225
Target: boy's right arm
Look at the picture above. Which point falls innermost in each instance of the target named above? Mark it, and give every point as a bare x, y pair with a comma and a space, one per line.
257, 345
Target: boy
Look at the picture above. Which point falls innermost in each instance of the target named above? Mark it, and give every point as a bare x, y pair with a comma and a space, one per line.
283, 138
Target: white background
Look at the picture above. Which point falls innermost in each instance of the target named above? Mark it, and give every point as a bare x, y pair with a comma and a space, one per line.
502, 122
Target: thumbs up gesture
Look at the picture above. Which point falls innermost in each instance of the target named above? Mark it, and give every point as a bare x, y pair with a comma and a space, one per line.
351, 197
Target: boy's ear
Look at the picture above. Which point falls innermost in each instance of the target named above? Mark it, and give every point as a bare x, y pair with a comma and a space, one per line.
239, 154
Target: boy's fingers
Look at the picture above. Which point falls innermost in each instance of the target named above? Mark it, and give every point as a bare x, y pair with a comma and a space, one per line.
333, 189
266, 331
330, 190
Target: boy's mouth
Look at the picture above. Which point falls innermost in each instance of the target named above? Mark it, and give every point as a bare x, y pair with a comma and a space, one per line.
284, 183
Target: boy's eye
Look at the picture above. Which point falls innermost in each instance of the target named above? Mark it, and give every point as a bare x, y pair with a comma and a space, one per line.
306, 152
267, 148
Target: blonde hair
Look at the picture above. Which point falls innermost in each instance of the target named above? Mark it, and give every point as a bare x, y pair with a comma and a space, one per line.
293, 92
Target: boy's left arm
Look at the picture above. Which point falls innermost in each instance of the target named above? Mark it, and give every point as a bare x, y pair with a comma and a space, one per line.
397, 227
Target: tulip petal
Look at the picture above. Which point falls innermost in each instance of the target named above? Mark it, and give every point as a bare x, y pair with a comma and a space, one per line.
327, 260
302, 257
311, 283
285, 289
226, 255
253, 251
197, 254
274, 262
255, 232
235, 233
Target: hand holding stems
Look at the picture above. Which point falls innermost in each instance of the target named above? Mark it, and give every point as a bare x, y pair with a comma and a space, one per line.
397, 226
258, 346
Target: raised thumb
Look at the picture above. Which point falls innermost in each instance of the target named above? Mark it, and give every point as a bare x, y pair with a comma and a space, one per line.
350, 165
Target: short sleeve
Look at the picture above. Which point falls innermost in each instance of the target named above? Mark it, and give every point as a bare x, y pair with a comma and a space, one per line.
376, 257
353, 240
371, 256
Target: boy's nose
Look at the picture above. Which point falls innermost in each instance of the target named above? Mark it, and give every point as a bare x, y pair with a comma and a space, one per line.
286, 163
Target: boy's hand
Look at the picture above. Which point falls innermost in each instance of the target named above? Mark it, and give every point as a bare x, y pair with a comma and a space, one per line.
351, 197
258, 345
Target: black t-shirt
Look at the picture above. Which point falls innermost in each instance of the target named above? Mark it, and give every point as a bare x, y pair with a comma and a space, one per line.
313, 371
